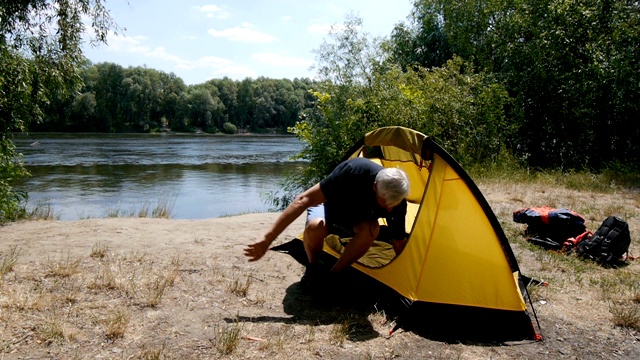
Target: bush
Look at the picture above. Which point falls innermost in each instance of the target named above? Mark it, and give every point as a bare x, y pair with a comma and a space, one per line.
11, 170
462, 111
229, 128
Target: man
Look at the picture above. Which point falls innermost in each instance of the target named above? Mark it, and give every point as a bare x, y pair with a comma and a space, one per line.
347, 203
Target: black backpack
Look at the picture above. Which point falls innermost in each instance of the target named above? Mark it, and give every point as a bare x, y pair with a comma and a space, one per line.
608, 244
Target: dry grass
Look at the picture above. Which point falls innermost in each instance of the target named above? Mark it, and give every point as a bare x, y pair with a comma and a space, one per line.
64, 266
52, 298
226, 337
8, 260
238, 286
51, 329
163, 209
99, 251
116, 323
152, 353
202, 300
612, 292
42, 210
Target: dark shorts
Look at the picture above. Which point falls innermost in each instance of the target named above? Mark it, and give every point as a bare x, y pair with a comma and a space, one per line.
317, 212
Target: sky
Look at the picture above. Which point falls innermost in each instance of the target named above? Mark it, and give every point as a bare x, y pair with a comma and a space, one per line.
211, 39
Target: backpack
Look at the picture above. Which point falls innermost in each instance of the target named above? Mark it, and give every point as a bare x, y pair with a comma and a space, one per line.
550, 228
608, 244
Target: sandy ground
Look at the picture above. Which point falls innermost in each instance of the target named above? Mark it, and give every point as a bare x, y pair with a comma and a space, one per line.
196, 240
216, 291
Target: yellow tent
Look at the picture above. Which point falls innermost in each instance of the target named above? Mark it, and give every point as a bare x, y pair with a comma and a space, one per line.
457, 258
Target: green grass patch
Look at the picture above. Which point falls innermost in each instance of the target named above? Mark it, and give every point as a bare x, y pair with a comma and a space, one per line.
510, 171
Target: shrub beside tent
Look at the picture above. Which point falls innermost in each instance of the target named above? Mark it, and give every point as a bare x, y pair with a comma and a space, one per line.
457, 270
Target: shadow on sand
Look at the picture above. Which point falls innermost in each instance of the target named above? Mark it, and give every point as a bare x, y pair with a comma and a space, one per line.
349, 299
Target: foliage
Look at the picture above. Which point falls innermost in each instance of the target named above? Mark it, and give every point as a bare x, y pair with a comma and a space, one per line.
14, 107
229, 128
423, 42
571, 66
40, 49
462, 110
11, 169
137, 99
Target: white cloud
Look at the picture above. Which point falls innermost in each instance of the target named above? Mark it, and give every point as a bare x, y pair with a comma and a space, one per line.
134, 44
286, 18
213, 11
242, 34
279, 60
126, 43
162, 54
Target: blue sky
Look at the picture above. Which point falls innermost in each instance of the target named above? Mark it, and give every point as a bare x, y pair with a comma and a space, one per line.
202, 40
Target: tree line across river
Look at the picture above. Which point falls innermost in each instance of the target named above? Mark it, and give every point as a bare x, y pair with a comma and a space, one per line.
140, 99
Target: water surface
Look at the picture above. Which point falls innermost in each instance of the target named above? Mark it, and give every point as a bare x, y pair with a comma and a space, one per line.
90, 175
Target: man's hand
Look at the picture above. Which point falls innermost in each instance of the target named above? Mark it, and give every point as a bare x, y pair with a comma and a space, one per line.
256, 250
311, 197
398, 245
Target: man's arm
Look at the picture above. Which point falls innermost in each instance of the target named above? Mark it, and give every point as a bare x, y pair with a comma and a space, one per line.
311, 197
396, 221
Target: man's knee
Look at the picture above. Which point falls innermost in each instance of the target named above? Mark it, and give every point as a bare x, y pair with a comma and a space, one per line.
315, 230
317, 224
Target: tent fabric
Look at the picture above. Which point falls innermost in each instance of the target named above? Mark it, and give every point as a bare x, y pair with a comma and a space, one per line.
379, 254
457, 253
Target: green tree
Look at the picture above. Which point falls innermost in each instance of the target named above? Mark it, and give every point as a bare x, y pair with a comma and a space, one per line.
463, 110
140, 110
109, 97
82, 112
228, 94
346, 65
140, 99
182, 120
571, 65
422, 42
264, 91
204, 109
38, 63
246, 104
172, 88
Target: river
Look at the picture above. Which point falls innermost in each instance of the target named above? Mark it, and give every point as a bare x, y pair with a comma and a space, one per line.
198, 176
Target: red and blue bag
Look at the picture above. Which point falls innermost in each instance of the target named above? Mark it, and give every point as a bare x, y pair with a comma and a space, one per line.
555, 229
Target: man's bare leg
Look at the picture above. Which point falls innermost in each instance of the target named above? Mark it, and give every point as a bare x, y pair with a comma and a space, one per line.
314, 234
365, 234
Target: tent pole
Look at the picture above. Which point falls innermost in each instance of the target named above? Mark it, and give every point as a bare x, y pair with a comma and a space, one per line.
535, 315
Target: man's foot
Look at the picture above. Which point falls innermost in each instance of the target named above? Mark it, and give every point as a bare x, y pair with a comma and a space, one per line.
314, 279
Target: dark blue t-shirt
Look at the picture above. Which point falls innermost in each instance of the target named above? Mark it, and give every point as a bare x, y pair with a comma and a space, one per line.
351, 199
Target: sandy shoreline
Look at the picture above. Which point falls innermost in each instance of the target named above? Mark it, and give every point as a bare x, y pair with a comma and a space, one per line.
192, 238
